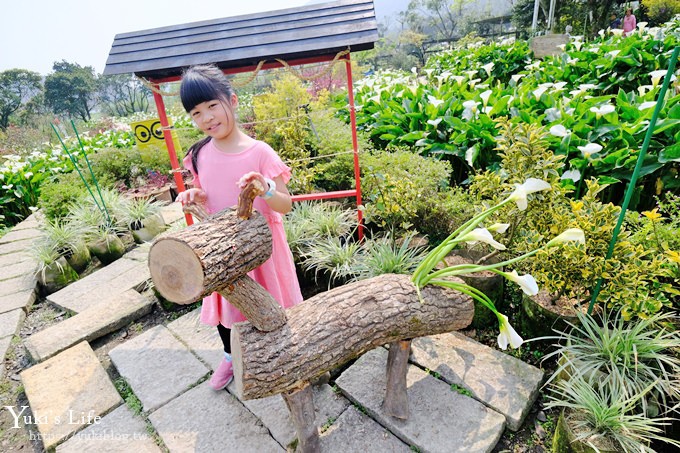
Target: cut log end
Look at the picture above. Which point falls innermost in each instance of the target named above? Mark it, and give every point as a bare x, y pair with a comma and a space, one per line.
176, 271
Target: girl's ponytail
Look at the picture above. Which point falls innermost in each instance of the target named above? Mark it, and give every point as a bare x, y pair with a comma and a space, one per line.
194, 150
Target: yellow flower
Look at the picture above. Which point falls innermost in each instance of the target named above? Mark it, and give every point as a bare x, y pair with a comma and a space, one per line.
673, 256
652, 215
576, 205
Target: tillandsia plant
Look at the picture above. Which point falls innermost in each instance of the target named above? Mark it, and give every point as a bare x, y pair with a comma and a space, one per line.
470, 234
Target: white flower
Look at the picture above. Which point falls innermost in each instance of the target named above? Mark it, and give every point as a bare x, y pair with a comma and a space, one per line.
569, 235
559, 86
578, 45
617, 31
499, 227
559, 131
603, 110
434, 122
534, 65
614, 52
531, 185
470, 74
428, 71
641, 26
553, 114
508, 335
28, 174
516, 77
590, 149
587, 86
470, 155
561, 47
526, 282
488, 68
485, 97
538, 92
458, 79
473, 82
647, 105
657, 76
642, 89
574, 175
481, 235
434, 101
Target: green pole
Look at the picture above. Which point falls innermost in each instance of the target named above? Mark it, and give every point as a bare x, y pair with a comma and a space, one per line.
638, 165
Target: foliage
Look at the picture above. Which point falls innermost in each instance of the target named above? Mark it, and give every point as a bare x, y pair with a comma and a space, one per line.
396, 185
136, 211
64, 237
333, 258
616, 377
388, 256
444, 212
660, 11
17, 87
438, 16
124, 94
71, 89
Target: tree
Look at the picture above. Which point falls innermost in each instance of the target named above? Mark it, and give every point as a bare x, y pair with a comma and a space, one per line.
17, 86
71, 89
124, 94
576, 13
437, 18
661, 11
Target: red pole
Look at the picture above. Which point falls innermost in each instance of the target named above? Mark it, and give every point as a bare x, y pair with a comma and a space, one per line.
355, 143
167, 134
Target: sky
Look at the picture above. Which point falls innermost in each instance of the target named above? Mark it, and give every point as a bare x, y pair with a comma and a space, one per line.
34, 34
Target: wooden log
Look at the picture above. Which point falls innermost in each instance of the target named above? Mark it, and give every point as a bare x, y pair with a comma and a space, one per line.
331, 328
192, 263
396, 398
255, 303
300, 403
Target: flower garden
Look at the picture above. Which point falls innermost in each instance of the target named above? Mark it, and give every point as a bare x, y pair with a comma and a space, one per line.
522, 163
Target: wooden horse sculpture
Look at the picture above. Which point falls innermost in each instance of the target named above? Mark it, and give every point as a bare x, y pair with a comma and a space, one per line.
282, 351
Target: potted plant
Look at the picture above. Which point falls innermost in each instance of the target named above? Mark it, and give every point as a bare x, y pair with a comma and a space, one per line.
53, 272
155, 186
67, 239
142, 216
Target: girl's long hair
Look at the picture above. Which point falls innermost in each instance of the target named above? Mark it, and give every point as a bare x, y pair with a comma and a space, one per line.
203, 83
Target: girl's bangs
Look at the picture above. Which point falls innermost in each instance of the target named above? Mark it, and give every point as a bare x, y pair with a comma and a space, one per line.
196, 89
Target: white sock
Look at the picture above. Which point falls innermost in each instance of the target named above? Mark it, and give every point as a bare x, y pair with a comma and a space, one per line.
227, 357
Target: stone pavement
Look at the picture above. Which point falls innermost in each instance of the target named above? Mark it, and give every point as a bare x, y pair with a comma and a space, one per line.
76, 407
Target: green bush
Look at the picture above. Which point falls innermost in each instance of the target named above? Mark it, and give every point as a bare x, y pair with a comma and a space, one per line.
396, 185
57, 196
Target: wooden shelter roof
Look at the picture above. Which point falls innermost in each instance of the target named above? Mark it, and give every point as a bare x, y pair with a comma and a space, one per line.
240, 41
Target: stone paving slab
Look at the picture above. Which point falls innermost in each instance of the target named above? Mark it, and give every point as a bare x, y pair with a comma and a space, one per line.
118, 432
274, 414
172, 213
117, 277
106, 316
204, 421
157, 366
30, 222
67, 391
21, 235
440, 419
4, 347
500, 381
10, 322
356, 432
13, 258
16, 246
23, 300
201, 338
18, 284
18, 269
139, 253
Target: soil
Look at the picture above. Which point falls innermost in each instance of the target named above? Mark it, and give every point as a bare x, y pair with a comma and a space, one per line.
564, 306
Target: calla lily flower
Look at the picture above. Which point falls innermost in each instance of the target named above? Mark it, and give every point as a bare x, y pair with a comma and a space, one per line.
657, 76
481, 235
459, 79
641, 26
647, 105
508, 335
434, 101
603, 110
531, 185
574, 175
534, 65
559, 131
516, 77
643, 89
614, 52
617, 31
488, 67
578, 45
538, 92
569, 235
434, 122
526, 282
485, 97
590, 149
499, 228
470, 74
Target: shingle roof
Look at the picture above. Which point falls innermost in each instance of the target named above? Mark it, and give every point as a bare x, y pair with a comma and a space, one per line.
238, 41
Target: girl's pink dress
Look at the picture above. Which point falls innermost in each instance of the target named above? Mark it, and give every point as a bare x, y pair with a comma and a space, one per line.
218, 174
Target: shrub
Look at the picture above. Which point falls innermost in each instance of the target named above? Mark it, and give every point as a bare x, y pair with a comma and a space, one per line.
57, 196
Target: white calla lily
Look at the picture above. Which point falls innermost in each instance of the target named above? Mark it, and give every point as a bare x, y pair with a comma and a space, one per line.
617, 31
569, 235
459, 79
559, 131
516, 77
574, 175
481, 235
434, 101
526, 282
538, 92
531, 185
590, 149
499, 228
603, 110
646, 105
488, 67
657, 76
508, 335
485, 97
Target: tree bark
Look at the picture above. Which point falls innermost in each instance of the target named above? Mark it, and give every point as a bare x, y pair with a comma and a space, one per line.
396, 398
206, 257
301, 406
333, 327
255, 303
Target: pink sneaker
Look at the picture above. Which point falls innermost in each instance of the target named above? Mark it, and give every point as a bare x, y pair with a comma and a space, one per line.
222, 376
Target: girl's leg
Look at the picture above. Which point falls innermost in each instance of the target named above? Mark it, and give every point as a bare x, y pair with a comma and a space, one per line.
224, 372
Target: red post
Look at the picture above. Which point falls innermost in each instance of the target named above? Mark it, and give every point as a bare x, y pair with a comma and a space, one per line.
355, 144
167, 134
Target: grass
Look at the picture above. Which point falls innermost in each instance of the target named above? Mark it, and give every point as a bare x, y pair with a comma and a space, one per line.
131, 400
461, 390
328, 424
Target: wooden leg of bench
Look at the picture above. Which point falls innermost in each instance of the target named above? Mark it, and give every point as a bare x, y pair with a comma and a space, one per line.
396, 399
301, 406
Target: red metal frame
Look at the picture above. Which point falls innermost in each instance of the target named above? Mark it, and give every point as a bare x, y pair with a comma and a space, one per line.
160, 106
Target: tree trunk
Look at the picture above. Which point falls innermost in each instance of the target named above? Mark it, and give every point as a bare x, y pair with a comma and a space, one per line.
301, 406
255, 303
333, 327
396, 398
206, 257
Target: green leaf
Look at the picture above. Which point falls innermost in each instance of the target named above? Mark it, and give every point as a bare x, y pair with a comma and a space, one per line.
670, 154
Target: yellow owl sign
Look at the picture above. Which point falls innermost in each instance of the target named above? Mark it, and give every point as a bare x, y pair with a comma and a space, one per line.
150, 133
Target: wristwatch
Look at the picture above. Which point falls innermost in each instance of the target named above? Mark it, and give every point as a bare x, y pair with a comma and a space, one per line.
271, 191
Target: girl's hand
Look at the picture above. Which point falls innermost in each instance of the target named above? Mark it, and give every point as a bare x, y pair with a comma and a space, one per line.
249, 177
193, 195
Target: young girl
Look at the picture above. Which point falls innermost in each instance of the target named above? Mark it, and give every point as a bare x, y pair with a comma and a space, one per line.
221, 163
629, 22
